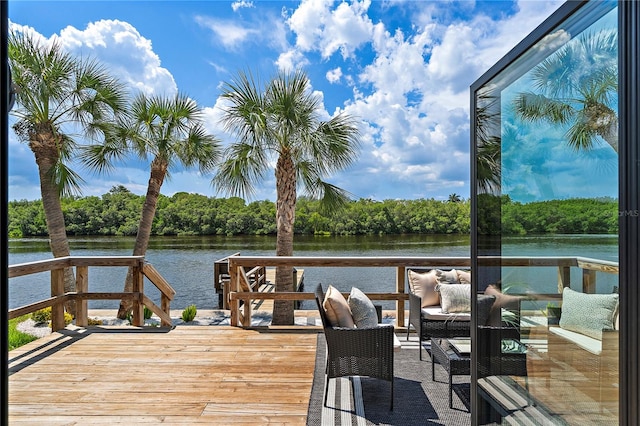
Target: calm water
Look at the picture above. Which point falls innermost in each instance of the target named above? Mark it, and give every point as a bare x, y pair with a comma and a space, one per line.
187, 262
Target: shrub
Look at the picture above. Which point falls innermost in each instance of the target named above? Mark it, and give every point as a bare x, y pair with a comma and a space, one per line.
41, 316
94, 321
44, 316
189, 313
147, 313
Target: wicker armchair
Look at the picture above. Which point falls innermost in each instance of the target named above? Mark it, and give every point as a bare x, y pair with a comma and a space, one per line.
357, 351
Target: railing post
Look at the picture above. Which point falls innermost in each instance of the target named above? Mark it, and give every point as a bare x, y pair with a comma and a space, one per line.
82, 286
138, 308
564, 278
400, 274
234, 305
165, 305
57, 289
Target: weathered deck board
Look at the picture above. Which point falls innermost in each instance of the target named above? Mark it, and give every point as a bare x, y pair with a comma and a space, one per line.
187, 375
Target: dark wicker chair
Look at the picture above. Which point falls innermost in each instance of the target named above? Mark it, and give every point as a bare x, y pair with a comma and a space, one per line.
357, 351
427, 328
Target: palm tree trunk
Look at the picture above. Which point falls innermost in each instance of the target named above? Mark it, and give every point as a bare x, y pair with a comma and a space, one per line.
44, 148
283, 310
158, 173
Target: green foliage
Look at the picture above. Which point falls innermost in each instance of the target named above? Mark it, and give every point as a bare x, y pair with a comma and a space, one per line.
94, 321
118, 213
41, 316
147, 313
189, 313
18, 338
572, 216
44, 316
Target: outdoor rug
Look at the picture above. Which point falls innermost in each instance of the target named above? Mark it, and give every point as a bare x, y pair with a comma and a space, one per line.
418, 400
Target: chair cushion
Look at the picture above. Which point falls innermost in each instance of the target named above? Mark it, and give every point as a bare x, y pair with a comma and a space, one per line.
337, 309
587, 343
362, 309
435, 313
424, 285
454, 297
588, 314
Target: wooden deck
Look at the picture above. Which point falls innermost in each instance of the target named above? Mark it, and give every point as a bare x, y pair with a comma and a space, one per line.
186, 375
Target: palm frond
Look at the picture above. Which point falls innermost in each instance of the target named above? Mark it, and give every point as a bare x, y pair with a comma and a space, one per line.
68, 182
200, 148
243, 168
245, 114
533, 107
100, 157
581, 136
332, 198
336, 143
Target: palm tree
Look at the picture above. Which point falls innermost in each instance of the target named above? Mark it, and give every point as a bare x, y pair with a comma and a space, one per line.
172, 132
454, 198
282, 121
60, 101
577, 86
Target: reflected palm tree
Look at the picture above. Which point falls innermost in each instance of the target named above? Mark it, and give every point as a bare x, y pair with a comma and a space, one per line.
489, 143
577, 86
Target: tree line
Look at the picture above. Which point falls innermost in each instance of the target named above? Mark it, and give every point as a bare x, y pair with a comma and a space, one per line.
118, 212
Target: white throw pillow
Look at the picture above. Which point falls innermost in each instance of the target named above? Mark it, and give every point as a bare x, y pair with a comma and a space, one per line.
588, 314
455, 297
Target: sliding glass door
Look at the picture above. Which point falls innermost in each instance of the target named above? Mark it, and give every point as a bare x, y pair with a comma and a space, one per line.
545, 219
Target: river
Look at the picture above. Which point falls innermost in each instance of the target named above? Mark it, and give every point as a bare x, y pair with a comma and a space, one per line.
187, 262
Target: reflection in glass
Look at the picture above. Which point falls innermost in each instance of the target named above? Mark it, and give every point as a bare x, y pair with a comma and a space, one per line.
546, 135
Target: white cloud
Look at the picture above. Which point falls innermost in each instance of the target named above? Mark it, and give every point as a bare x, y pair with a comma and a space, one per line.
318, 28
241, 4
291, 60
334, 75
417, 115
124, 51
229, 33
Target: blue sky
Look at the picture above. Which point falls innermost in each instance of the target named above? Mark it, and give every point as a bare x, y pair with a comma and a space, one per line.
402, 67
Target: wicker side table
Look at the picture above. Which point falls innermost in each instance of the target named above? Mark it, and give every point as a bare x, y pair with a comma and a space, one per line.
454, 362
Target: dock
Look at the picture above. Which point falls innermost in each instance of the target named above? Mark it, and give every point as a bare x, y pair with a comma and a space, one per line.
262, 280
269, 287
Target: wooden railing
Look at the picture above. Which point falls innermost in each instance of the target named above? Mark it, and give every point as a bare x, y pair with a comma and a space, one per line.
239, 291
81, 264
